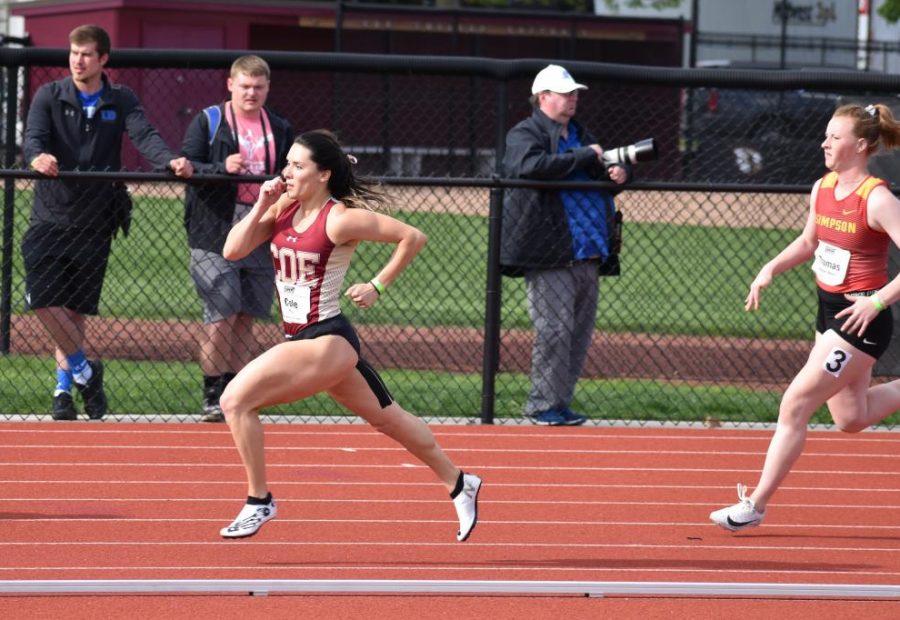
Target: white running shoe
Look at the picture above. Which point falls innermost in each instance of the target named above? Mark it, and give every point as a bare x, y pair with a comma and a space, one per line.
467, 506
249, 520
740, 516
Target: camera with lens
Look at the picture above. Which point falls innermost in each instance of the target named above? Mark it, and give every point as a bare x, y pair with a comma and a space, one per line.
645, 150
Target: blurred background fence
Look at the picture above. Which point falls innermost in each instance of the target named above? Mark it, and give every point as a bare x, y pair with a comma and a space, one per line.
738, 152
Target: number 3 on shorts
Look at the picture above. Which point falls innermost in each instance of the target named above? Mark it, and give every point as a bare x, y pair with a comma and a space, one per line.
836, 361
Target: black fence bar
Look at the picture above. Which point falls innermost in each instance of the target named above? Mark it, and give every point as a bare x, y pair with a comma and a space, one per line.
9, 197
497, 69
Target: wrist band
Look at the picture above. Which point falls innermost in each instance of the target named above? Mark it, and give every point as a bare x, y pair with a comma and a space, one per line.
876, 301
379, 287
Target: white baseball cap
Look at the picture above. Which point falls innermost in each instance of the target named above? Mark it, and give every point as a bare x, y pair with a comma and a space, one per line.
555, 78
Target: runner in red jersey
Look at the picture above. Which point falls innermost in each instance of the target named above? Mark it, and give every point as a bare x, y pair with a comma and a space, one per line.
313, 220
852, 218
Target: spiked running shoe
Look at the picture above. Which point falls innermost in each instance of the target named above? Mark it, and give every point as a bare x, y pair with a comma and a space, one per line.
92, 392
466, 503
740, 516
249, 520
64, 407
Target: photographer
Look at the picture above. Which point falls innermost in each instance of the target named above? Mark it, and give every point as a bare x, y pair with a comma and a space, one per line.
559, 241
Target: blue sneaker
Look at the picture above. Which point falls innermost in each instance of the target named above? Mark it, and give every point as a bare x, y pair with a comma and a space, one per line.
551, 417
570, 418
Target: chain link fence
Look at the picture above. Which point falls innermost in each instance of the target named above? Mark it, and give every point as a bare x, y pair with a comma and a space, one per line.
738, 151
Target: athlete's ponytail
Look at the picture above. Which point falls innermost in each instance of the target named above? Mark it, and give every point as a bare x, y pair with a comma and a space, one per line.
873, 123
328, 154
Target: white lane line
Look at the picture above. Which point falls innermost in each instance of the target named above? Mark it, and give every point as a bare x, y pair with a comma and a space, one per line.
19, 465
412, 483
513, 502
729, 549
497, 433
271, 448
67, 520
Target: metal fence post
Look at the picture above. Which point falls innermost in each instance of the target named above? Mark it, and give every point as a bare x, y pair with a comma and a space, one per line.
9, 202
493, 284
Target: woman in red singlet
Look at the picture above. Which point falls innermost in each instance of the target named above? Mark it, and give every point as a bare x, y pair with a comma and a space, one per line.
853, 217
313, 220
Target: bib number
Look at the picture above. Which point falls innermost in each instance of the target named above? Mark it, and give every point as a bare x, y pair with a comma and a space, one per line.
836, 361
831, 264
295, 304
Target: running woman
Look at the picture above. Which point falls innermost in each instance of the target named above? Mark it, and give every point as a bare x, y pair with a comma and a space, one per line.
313, 219
853, 217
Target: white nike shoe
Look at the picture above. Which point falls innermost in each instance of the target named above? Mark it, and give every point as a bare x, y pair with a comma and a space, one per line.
740, 516
249, 520
466, 504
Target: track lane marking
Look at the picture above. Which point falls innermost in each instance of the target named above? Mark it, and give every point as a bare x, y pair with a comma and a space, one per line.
270, 448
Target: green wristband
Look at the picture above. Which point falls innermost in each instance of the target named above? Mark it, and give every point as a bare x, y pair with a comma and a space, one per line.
876, 301
379, 287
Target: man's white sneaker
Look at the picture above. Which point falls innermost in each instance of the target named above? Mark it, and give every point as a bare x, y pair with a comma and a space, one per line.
466, 503
740, 516
249, 520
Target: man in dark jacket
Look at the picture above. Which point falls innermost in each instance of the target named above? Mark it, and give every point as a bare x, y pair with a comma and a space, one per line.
556, 240
77, 123
240, 136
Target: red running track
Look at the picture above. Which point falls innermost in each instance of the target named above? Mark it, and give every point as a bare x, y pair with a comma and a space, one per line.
146, 501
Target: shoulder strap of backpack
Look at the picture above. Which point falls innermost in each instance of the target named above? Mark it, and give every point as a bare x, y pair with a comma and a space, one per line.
214, 118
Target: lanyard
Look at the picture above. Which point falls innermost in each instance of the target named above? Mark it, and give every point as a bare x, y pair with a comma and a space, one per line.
265, 132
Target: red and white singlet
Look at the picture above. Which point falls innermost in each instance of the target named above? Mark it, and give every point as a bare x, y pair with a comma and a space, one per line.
851, 256
309, 270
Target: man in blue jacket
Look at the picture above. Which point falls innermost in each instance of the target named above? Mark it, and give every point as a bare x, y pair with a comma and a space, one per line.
557, 240
77, 123
240, 136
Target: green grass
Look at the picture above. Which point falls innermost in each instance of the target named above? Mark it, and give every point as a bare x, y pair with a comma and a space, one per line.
676, 279
146, 388
143, 388
686, 280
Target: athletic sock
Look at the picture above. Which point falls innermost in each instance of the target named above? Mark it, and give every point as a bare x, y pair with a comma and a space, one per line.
81, 370
257, 501
63, 381
459, 486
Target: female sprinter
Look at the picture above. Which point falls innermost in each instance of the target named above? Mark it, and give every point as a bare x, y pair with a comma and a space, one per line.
313, 219
853, 217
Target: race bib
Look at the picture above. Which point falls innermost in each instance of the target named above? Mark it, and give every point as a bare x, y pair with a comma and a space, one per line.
294, 302
831, 264
836, 361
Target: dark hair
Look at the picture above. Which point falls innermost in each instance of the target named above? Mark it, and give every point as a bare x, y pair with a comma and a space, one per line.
328, 154
91, 33
874, 123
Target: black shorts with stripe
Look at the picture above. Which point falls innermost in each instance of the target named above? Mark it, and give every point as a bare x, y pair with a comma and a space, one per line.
877, 337
340, 326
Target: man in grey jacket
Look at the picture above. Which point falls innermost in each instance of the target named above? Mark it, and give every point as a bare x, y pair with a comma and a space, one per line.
77, 123
559, 241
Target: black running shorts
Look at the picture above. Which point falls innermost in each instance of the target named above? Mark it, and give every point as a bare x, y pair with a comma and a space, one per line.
877, 337
340, 326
